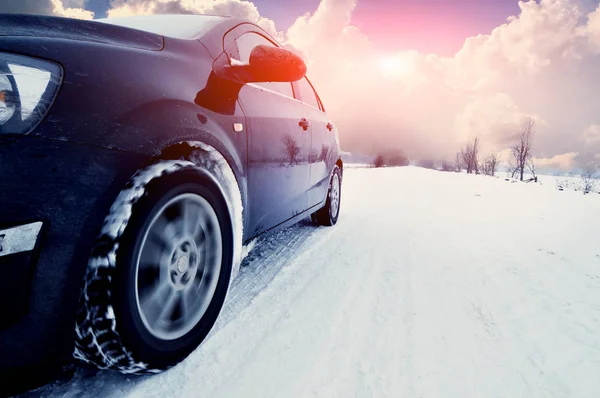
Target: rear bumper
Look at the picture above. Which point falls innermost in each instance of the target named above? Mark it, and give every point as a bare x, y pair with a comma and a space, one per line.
69, 189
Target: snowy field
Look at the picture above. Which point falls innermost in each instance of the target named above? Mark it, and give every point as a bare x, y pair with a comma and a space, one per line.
572, 183
431, 285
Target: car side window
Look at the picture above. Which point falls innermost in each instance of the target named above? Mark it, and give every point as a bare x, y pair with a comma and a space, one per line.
245, 45
307, 93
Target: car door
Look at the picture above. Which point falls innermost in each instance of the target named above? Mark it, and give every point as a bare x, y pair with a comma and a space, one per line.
323, 143
278, 146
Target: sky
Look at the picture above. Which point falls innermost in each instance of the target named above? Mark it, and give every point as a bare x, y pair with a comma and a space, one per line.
426, 76
393, 24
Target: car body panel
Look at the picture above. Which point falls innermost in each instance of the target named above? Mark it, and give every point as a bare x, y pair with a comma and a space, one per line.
278, 147
170, 25
324, 146
74, 29
278, 168
70, 188
127, 114
323, 153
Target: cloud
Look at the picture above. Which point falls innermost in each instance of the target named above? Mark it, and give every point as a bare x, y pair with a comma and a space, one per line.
591, 135
592, 29
494, 118
590, 146
564, 161
74, 3
27, 7
541, 63
70, 12
525, 45
235, 8
65, 8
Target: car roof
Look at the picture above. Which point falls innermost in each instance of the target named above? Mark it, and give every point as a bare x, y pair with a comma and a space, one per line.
188, 26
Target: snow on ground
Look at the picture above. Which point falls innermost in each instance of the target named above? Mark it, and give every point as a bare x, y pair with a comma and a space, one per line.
432, 284
566, 182
572, 183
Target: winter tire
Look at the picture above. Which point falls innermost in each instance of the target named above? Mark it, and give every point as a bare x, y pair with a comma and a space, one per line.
155, 287
328, 215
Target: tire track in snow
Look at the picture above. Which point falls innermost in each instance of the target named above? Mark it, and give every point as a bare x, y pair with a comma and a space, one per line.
342, 340
351, 360
309, 303
270, 253
360, 363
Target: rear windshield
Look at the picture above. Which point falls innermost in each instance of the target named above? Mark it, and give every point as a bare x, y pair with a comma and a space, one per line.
177, 26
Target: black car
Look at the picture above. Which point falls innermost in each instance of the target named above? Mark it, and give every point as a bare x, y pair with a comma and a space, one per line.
137, 156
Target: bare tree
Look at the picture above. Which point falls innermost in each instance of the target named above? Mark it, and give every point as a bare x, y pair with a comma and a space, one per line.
291, 148
426, 163
470, 156
590, 179
521, 151
531, 168
490, 164
483, 169
379, 161
445, 165
458, 162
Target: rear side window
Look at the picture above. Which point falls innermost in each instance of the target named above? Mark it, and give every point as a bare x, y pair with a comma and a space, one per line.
307, 93
245, 45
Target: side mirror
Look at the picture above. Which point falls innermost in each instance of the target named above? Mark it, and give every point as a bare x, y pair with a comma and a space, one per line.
266, 64
273, 64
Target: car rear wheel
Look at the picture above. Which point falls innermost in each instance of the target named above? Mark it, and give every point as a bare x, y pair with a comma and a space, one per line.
152, 294
329, 214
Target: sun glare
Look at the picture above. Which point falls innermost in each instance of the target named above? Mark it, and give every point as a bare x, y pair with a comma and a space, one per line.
394, 65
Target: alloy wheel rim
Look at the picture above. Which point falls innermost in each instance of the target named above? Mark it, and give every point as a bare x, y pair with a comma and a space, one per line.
335, 195
178, 266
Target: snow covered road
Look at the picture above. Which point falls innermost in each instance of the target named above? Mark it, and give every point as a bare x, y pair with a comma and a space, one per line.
432, 284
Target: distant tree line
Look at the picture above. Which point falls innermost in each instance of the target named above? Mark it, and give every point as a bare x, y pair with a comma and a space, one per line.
469, 157
391, 158
521, 160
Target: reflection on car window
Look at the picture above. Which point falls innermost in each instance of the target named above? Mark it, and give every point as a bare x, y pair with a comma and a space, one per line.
307, 93
246, 44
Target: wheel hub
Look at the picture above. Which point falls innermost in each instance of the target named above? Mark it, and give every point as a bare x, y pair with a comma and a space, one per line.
184, 264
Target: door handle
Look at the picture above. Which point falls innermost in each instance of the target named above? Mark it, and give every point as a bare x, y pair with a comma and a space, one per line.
329, 126
305, 124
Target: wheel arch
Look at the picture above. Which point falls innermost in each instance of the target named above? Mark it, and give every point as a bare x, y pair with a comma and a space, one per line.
186, 150
340, 164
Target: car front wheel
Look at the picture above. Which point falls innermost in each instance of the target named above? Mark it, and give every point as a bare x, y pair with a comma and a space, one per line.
153, 293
